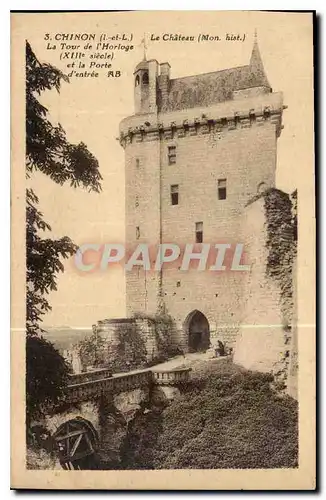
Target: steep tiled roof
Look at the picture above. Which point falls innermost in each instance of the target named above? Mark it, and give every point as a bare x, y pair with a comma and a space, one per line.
212, 88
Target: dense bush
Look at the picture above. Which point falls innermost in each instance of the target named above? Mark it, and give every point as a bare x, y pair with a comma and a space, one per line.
91, 351
131, 350
226, 420
46, 376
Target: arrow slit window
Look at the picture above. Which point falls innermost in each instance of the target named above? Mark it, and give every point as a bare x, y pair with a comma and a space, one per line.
199, 232
175, 194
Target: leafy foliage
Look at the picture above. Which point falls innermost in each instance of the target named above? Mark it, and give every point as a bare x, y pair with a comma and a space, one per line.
164, 327
47, 148
43, 262
138, 448
46, 375
131, 350
230, 418
47, 151
92, 351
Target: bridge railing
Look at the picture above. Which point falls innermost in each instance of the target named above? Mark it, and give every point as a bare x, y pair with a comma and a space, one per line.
171, 377
88, 385
89, 389
90, 376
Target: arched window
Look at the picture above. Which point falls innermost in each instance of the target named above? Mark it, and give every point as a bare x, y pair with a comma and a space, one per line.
145, 78
137, 81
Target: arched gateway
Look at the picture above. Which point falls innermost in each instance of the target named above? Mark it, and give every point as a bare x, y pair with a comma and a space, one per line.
75, 443
197, 330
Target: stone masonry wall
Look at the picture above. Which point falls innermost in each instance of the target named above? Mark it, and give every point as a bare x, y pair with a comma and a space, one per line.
246, 157
142, 221
115, 334
234, 140
87, 410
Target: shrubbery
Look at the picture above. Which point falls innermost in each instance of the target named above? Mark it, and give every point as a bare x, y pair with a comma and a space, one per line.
131, 350
91, 351
230, 420
46, 376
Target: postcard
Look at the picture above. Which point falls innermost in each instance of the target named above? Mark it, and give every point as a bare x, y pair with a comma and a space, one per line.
163, 234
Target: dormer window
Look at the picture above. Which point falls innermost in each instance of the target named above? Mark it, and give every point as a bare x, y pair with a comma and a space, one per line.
137, 81
145, 78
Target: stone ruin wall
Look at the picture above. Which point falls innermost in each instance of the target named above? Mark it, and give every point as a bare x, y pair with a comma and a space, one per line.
267, 332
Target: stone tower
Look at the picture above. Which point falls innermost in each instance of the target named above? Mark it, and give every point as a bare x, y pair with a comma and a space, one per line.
197, 149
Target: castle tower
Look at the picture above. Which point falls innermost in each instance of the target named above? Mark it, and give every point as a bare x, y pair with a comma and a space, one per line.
197, 149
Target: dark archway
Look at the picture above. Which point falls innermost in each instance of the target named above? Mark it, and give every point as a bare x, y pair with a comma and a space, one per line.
75, 443
197, 328
145, 78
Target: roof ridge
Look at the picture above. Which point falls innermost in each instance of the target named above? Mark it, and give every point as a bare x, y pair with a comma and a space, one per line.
211, 72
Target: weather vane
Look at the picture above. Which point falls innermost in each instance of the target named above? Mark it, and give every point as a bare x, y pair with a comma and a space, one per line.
143, 43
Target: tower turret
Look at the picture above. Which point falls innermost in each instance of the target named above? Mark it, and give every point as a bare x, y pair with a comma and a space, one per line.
145, 81
257, 68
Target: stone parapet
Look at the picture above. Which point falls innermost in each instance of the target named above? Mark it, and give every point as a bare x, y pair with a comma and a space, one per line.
90, 385
118, 383
172, 377
224, 116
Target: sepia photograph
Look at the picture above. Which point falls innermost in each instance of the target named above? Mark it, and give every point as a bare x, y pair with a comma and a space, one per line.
163, 306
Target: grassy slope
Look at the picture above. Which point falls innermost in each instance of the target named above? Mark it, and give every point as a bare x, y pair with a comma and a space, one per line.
229, 418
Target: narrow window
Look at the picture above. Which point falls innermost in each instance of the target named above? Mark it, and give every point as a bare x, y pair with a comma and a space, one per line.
221, 189
145, 78
137, 81
137, 233
199, 232
172, 154
175, 194
137, 162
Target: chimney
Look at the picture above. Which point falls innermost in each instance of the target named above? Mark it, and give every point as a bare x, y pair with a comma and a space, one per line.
164, 82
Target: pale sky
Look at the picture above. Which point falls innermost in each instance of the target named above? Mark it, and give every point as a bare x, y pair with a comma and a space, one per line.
90, 111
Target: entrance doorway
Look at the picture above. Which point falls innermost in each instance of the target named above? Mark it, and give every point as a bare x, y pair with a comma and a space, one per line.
198, 332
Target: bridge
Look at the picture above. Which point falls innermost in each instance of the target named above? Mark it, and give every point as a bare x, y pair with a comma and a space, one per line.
84, 386
93, 419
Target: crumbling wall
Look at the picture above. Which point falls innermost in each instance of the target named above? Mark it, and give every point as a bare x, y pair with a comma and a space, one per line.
264, 341
128, 342
135, 342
